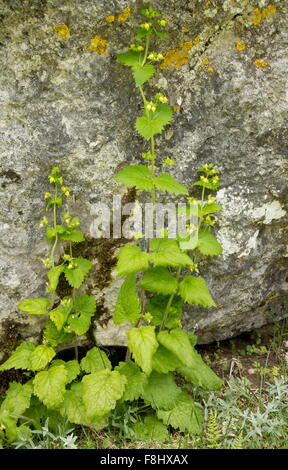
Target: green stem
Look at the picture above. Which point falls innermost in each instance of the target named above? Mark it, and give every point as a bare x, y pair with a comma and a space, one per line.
202, 201
165, 316
146, 49
52, 254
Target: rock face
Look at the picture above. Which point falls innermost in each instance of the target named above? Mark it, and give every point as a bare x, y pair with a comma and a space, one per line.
63, 104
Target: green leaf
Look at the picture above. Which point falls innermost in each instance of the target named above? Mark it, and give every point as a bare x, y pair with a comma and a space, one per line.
161, 391
152, 429
72, 235
166, 252
60, 314
141, 33
49, 386
130, 58
17, 399
20, 358
143, 344
154, 123
84, 308
208, 185
200, 374
128, 305
75, 276
165, 182
95, 360
54, 200
177, 341
135, 175
194, 290
41, 356
101, 390
187, 416
157, 306
136, 380
35, 306
53, 277
211, 208
142, 73
165, 361
207, 243
51, 233
72, 367
54, 337
73, 406
130, 260
159, 280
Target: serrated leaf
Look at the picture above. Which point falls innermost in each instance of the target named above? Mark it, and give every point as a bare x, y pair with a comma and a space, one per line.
35, 306
152, 429
161, 391
130, 260
200, 374
147, 126
72, 367
95, 360
143, 344
211, 208
128, 305
194, 290
187, 416
20, 358
72, 235
75, 276
177, 341
60, 314
136, 380
53, 277
49, 386
135, 175
51, 233
207, 243
157, 306
142, 73
73, 406
130, 58
159, 280
54, 337
165, 182
101, 390
17, 399
141, 33
83, 309
41, 356
165, 361
166, 252
54, 200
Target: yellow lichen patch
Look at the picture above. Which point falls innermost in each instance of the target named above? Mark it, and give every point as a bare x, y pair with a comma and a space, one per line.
174, 58
261, 64
240, 46
110, 19
187, 45
98, 44
176, 109
196, 40
210, 69
205, 61
269, 11
124, 15
185, 30
62, 30
257, 18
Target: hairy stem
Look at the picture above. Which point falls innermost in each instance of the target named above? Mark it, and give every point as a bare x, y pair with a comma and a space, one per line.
165, 316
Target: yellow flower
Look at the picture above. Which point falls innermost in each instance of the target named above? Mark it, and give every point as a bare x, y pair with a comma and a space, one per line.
110, 19
124, 15
63, 32
98, 44
260, 64
240, 46
169, 161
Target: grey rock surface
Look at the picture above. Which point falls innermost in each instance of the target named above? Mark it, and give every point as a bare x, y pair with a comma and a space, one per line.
64, 105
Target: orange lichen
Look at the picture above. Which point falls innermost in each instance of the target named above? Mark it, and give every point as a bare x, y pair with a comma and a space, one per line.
98, 44
110, 19
187, 45
185, 30
240, 46
196, 40
258, 16
176, 109
174, 58
124, 15
63, 32
260, 63
269, 11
